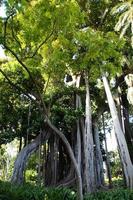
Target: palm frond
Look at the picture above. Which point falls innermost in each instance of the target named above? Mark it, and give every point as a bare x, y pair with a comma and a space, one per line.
125, 10
120, 8
121, 21
124, 29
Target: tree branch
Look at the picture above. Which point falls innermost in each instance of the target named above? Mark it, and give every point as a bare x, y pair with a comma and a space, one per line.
14, 36
14, 85
22, 63
41, 44
5, 25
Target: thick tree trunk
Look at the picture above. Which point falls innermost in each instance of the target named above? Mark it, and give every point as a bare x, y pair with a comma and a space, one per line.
123, 107
69, 179
89, 170
20, 163
99, 158
120, 111
71, 154
128, 131
124, 154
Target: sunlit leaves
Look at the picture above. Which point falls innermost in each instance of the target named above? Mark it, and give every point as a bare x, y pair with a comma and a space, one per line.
125, 22
95, 48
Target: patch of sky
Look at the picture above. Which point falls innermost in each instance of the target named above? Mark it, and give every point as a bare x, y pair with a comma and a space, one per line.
2, 11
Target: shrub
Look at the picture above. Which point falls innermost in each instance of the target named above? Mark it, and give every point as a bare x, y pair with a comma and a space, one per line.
119, 194
30, 192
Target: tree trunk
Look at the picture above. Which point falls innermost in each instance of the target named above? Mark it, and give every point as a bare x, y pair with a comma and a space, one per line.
20, 142
39, 164
78, 144
128, 131
123, 109
120, 110
89, 170
53, 159
44, 163
71, 154
124, 154
69, 179
107, 155
20, 163
99, 158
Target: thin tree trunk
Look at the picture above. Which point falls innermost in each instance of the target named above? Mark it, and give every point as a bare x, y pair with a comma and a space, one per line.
48, 166
53, 159
20, 142
39, 164
124, 154
78, 145
107, 155
44, 163
89, 171
56, 143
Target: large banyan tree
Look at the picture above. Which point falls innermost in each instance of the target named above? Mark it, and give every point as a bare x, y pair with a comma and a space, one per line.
54, 57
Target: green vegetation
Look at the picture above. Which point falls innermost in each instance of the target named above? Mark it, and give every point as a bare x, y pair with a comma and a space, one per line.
30, 192
119, 194
66, 89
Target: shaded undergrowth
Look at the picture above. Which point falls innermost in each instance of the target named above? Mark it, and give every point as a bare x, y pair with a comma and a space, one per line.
30, 192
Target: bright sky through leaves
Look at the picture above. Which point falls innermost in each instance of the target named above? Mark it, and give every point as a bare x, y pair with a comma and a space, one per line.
2, 14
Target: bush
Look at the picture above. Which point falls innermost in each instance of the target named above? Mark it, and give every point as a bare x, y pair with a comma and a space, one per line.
120, 194
30, 192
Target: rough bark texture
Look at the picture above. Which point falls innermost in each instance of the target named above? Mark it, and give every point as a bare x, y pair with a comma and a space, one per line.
123, 113
71, 154
124, 154
69, 179
89, 170
98, 158
20, 163
53, 160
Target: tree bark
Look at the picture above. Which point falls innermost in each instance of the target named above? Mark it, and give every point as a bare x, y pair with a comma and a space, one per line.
99, 158
71, 154
78, 144
44, 164
20, 163
107, 155
70, 177
123, 109
53, 159
124, 154
20, 142
89, 170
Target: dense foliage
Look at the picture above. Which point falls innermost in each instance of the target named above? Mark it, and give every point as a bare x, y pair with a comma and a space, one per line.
29, 192
61, 58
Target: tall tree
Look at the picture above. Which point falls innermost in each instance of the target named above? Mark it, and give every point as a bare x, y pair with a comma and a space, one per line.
124, 153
